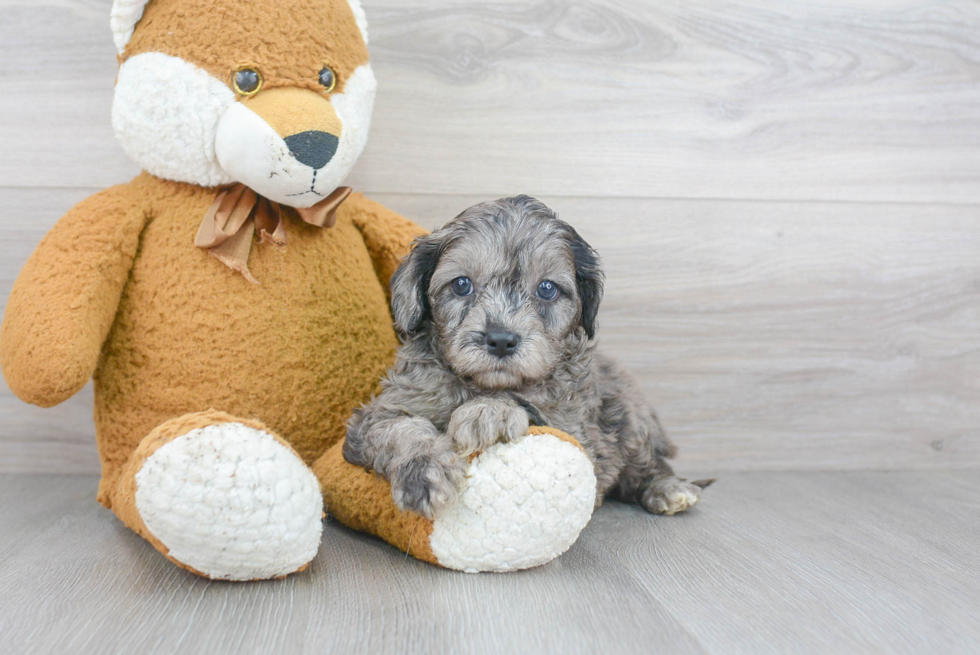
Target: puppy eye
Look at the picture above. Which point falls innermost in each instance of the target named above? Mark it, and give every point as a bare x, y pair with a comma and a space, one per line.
247, 81
327, 78
462, 286
547, 290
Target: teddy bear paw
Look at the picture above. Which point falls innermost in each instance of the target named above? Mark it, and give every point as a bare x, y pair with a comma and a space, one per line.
523, 504
232, 503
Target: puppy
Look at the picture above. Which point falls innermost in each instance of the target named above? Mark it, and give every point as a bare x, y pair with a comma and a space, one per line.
497, 315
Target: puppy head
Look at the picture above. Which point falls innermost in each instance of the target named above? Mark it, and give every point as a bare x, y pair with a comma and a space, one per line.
503, 289
275, 94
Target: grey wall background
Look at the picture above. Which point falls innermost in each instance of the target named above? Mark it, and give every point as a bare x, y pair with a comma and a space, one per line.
786, 195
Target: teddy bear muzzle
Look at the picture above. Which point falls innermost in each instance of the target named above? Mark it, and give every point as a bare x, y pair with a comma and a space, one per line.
281, 142
305, 120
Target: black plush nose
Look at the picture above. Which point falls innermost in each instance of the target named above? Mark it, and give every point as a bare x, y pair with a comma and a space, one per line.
502, 344
313, 148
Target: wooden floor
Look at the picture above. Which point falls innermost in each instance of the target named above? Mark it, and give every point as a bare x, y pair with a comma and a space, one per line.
816, 563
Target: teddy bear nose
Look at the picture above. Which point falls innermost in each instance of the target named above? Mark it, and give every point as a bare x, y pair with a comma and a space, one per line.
313, 148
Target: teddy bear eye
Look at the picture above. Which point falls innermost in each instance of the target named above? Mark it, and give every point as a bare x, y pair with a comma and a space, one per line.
247, 81
327, 78
547, 290
462, 286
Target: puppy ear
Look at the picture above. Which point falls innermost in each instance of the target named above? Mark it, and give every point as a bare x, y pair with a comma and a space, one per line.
410, 284
588, 279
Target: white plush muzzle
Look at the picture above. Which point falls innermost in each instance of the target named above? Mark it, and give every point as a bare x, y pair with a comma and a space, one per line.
180, 123
252, 153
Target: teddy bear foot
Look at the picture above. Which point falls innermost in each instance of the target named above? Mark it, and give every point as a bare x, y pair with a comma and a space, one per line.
522, 504
223, 497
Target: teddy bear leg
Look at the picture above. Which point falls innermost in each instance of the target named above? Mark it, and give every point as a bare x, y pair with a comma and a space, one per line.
223, 497
523, 504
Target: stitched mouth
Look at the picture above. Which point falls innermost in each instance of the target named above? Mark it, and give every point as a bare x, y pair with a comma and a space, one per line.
312, 189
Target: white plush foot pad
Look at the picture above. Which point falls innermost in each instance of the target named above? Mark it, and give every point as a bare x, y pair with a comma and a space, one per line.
524, 504
231, 502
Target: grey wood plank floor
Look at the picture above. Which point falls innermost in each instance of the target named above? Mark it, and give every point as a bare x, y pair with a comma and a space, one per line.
841, 562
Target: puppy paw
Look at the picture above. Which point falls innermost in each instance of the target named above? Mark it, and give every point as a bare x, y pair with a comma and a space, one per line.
478, 424
427, 483
670, 496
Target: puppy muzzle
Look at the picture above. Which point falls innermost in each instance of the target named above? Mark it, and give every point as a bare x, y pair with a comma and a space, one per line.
501, 343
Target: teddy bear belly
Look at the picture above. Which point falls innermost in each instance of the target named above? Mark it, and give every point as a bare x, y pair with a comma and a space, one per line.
298, 351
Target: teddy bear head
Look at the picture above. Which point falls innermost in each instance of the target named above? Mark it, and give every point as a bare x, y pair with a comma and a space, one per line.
275, 95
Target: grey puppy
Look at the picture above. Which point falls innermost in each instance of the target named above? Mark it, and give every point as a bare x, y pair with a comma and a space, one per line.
497, 314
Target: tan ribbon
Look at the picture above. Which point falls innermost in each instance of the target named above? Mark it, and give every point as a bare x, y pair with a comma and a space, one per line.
238, 213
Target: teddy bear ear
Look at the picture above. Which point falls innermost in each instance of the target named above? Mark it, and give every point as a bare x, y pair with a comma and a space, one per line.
125, 14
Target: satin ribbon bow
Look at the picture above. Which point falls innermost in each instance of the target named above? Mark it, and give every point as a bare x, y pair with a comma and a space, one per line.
238, 213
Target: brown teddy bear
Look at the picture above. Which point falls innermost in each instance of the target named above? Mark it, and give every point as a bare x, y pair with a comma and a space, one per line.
230, 303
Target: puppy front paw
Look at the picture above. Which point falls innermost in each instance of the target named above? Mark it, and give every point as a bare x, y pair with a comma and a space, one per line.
670, 496
427, 483
479, 424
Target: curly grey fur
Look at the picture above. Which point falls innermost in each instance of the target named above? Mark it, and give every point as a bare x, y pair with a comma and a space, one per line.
448, 396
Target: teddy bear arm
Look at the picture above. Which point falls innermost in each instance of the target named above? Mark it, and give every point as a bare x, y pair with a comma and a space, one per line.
63, 302
387, 235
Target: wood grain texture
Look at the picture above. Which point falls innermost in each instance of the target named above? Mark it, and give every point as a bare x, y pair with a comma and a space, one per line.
769, 563
769, 335
867, 100
795, 334
780, 335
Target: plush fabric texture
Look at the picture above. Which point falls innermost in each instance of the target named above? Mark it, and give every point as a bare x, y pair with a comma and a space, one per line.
166, 112
290, 111
360, 17
300, 350
199, 516
362, 501
287, 41
251, 151
238, 214
64, 301
123, 18
126, 13
232, 501
523, 504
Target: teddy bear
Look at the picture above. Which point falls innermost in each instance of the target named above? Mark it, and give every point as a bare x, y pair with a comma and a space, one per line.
231, 305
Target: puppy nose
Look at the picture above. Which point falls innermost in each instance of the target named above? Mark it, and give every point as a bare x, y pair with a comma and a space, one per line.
502, 344
313, 148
